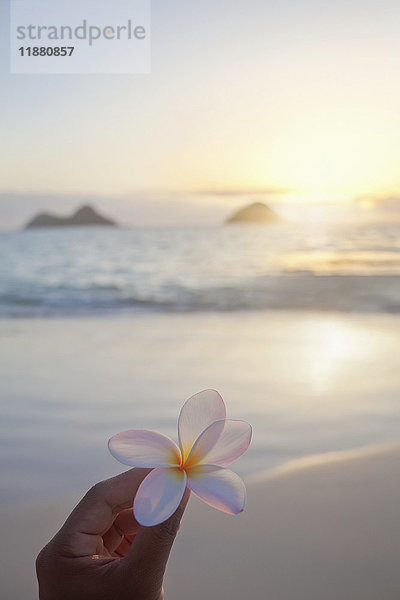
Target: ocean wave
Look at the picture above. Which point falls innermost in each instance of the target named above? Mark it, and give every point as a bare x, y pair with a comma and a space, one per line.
187, 270
298, 291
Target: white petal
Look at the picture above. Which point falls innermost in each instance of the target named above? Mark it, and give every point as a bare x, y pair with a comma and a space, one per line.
221, 443
220, 488
196, 415
159, 496
144, 448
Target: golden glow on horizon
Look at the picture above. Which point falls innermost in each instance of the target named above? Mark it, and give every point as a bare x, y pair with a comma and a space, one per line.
329, 155
306, 101
326, 164
367, 204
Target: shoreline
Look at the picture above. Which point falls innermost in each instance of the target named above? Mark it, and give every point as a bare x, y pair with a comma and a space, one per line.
92, 315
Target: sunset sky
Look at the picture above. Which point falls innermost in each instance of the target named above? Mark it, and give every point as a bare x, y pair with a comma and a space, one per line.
300, 98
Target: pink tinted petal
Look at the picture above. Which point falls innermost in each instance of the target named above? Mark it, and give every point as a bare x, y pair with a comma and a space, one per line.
197, 414
159, 496
221, 443
220, 488
143, 448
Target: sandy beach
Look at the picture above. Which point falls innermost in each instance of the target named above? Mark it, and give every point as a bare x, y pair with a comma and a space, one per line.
323, 527
320, 531
312, 384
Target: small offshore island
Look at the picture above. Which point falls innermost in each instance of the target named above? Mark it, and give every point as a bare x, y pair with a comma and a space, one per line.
86, 216
257, 212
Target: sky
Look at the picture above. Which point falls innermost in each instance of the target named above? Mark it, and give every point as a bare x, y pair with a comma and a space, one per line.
294, 100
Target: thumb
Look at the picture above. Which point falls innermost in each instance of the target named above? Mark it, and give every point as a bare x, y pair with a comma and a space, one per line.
150, 551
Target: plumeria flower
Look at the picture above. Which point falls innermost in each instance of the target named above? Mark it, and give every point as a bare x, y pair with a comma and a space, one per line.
208, 442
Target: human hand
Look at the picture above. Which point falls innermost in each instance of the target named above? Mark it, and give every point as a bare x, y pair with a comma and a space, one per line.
102, 553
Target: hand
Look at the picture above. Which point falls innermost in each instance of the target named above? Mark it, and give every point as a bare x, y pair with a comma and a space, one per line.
102, 553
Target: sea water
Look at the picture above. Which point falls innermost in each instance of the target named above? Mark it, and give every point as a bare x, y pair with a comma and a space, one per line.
50, 272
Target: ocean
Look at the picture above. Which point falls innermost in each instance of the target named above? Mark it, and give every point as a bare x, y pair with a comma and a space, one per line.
98, 271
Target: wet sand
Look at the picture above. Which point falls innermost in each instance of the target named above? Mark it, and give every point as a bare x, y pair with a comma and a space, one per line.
310, 383
324, 532
321, 530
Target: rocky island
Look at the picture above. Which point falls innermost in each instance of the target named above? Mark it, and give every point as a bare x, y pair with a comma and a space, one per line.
257, 212
86, 216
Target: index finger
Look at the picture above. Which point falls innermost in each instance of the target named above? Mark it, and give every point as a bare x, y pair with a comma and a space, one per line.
93, 516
